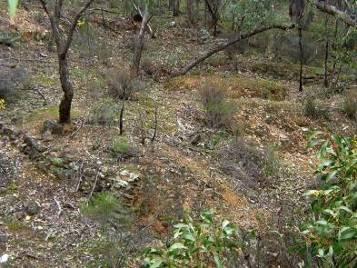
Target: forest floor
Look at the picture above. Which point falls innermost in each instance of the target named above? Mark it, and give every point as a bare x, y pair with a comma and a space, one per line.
187, 169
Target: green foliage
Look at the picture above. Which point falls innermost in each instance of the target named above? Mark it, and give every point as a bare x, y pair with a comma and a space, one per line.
331, 232
104, 112
105, 208
120, 146
206, 243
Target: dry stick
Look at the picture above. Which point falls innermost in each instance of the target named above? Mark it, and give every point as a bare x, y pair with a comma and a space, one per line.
94, 184
155, 124
79, 177
222, 47
59, 207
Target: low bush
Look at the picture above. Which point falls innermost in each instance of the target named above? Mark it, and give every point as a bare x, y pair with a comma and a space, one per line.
121, 85
272, 163
105, 112
219, 111
203, 243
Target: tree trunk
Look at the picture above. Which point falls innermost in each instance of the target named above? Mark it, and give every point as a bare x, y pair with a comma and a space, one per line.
229, 43
301, 59
190, 11
326, 82
67, 88
176, 8
139, 44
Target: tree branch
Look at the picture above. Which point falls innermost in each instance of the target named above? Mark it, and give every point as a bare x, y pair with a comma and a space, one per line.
332, 10
73, 27
223, 46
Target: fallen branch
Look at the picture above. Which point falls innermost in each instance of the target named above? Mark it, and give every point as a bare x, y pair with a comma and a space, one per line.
59, 207
93, 188
230, 43
332, 10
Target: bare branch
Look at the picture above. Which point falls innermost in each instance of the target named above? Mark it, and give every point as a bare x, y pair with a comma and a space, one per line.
73, 27
332, 10
223, 46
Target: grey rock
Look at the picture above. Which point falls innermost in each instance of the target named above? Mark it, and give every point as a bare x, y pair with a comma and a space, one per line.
32, 208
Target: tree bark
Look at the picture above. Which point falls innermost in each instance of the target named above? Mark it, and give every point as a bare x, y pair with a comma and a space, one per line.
67, 88
190, 11
326, 82
140, 44
219, 48
301, 59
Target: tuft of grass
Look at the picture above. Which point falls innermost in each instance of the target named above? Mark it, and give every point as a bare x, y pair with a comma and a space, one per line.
120, 146
105, 112
105, 208
314, 110
14, 224
349, 106
272, 163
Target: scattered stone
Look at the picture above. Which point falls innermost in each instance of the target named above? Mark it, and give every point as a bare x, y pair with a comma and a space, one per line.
3, 238
52, 127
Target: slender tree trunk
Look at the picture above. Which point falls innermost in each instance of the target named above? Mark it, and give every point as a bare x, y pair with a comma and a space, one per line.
326, 82
140, 44
176, 8
66, 102
190, 11
301, 59
121, 117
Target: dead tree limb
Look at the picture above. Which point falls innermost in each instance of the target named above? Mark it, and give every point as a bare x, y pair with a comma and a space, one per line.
334, 11
219, 48
152, 34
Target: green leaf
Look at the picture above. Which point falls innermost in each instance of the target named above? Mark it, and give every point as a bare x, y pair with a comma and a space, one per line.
347, 233
218, 261
155, 263
12, 7
176, 246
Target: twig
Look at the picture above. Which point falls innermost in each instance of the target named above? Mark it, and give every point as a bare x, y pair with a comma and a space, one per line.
76, 131
94, 184
155, 124
79, 177
59, 207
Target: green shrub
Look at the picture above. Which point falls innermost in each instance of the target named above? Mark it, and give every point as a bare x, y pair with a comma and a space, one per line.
206, 243
105, 112
331, 231
120, 146
219, 111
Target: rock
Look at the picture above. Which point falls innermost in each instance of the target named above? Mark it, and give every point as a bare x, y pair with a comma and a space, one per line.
19, 215
203, 36
4, 258
32, 208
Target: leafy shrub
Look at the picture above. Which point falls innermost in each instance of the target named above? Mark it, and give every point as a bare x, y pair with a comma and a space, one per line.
350, 106
197, 244
121, 85
314, 110
219, 111
104, 112
331, 232
120, 146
